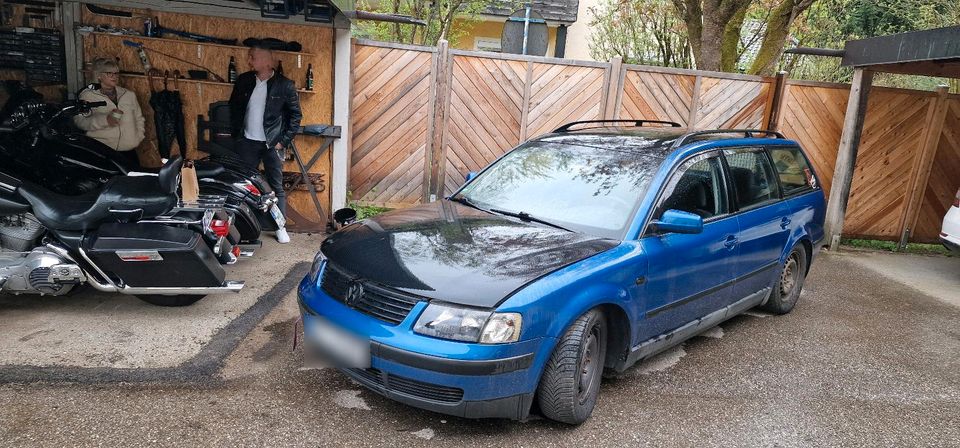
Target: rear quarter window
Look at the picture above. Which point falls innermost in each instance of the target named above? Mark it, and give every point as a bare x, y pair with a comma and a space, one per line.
793, 170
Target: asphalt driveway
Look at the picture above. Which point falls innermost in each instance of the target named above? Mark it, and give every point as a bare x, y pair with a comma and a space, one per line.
864, 360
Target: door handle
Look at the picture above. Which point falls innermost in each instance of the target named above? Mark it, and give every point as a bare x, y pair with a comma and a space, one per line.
785, 222
730, 242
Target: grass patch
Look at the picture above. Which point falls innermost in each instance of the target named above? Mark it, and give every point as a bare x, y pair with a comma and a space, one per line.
889, 246
367, 211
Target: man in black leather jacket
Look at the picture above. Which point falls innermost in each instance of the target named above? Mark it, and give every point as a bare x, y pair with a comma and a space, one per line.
265, 115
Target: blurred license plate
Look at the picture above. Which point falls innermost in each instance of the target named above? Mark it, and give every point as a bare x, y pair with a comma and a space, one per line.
338, 346
277, 216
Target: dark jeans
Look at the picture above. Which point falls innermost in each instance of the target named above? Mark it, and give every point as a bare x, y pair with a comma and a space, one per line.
252, 153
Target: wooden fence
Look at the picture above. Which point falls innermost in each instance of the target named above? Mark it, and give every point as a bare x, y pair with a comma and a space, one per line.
423, 117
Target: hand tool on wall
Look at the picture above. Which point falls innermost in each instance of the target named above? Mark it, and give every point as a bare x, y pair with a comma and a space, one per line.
140, 46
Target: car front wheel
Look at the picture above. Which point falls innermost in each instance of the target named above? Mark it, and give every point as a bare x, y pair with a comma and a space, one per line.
571, 379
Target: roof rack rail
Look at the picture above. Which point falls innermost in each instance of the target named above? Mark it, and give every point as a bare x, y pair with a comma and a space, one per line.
637, 123
747, 133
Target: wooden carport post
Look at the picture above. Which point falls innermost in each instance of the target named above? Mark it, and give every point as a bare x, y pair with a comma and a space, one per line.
847, 155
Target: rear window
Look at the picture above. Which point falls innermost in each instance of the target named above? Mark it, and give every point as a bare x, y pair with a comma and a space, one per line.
793, 170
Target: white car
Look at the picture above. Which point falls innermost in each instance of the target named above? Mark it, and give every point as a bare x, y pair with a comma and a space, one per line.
950, 233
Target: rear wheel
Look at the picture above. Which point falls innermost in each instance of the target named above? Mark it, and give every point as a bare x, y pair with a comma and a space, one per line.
177, 300
570, 384
787, 289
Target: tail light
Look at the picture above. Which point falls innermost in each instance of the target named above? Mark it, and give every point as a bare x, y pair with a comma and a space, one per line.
220, 228
249, 186
236, 251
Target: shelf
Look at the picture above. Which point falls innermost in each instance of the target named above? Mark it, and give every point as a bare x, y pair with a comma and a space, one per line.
197, 81
188, 42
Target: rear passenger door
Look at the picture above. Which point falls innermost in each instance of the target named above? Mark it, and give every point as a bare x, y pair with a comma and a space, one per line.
801, 190
764, 219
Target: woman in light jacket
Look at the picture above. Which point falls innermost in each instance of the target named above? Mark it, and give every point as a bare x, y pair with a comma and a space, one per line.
119, 124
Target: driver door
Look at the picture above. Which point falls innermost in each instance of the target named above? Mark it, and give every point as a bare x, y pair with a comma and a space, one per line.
690, 275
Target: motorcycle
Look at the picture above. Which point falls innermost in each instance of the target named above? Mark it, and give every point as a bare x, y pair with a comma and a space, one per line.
54, 154
131, 236
32, 150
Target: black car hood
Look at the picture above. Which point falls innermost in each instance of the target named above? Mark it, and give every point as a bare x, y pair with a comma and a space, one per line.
450, 252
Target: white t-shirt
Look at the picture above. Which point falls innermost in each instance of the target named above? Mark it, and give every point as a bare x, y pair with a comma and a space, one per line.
253, 128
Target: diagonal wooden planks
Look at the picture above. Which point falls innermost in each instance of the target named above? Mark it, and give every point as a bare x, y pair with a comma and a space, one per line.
944, 178
390, 114
813, 116
562, 93
731, 103
484, 115
657, 96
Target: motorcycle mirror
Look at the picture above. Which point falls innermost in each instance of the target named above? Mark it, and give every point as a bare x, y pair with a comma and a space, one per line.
345, 216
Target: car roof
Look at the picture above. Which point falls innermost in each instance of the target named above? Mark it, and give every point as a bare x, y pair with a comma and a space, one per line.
657, 141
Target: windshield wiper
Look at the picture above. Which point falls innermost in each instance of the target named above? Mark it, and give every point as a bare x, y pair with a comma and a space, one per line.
524, 216
463, 200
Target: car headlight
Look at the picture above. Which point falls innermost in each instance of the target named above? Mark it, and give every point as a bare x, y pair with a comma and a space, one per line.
468, 324
318, 261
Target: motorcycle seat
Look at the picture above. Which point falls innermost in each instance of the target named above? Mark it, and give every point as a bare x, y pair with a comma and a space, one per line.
119, 197
207, 169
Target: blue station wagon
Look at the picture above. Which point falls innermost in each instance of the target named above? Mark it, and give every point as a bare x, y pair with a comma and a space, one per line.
589, 248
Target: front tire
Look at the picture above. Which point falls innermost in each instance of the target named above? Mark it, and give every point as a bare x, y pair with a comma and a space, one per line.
786, 290
570, 384
171, 301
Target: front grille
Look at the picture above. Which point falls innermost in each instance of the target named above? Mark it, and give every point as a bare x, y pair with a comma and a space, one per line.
434, 392
382, 303
420, 389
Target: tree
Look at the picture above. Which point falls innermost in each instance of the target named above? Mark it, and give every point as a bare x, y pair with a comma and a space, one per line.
445, 19
639, 32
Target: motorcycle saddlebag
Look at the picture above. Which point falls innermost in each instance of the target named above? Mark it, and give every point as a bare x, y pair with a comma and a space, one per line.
148, 255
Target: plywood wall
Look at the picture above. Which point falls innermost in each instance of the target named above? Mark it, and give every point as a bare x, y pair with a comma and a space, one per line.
317, 106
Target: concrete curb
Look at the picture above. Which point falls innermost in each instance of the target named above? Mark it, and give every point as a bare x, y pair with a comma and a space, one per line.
201, 367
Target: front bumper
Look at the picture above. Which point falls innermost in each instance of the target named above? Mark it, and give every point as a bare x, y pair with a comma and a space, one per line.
455, 378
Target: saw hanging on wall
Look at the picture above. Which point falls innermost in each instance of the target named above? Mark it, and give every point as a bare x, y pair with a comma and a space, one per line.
147, 66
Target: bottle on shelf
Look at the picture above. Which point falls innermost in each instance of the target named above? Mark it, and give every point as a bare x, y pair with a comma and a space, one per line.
309, 76
232, 71
279, 67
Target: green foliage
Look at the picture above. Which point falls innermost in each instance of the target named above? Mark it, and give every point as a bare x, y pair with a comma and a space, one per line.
830, 23
889, 246
367, 211
645, 32
446, 19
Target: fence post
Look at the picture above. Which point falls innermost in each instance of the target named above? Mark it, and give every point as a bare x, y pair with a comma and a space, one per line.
847, 156
694, 103
776, 101
440, 93
613, 88
922, 164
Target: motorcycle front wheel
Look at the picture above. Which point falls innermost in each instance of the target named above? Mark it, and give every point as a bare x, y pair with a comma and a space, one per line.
177, 300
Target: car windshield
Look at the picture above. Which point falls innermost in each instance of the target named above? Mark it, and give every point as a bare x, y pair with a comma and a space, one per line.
587, 185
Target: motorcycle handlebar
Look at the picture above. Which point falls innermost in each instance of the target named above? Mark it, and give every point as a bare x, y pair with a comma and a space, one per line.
96, 104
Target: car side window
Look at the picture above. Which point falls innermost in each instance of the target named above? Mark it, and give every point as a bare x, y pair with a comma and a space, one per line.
792, 169
752, 176
698, 187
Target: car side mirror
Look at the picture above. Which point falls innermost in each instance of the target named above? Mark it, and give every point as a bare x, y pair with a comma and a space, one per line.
678, 221
470, 176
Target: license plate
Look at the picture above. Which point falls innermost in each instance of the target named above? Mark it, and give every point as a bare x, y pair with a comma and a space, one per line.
337, 346
277, 216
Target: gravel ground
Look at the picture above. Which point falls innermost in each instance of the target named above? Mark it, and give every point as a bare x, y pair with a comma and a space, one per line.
862, 361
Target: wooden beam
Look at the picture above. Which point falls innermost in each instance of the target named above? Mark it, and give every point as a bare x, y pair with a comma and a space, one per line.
847, 156
342, 111
923, 163
215, 8
72, 47
776, 101
694, 104
441, 97
612, 88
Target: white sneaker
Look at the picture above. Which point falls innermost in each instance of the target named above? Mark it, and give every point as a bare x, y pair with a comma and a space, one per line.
282, 236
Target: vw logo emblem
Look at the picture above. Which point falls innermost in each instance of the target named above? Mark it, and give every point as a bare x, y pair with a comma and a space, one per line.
354, 293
